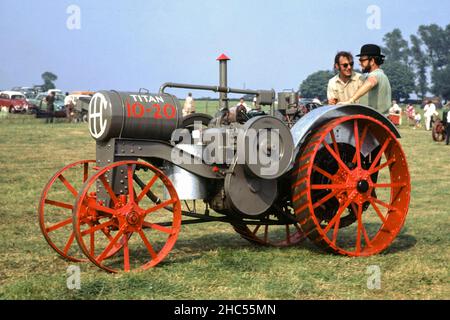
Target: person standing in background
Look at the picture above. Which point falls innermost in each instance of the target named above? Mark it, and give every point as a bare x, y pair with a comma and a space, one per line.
50, 99
428, 112
189, 105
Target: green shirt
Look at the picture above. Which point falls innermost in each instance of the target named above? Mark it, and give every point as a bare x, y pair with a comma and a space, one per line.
380, 95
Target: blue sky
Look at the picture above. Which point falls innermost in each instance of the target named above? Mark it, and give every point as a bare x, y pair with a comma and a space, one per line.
127, 45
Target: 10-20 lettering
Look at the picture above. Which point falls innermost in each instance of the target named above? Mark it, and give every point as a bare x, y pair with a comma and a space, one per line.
137, 110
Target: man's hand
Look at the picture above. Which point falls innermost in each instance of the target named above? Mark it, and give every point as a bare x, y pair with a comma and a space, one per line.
346, 102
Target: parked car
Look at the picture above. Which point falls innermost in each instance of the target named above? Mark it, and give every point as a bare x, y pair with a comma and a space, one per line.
42, 109
80, 105
13, 101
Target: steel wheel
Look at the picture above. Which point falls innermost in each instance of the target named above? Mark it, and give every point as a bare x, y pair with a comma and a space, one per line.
274, 235
55, 208
146, 231
353, 168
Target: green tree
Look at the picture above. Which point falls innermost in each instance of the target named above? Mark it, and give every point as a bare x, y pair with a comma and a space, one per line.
49, 78
315, 85
437, 43
441, 82
396, 48
401, 78
420, 63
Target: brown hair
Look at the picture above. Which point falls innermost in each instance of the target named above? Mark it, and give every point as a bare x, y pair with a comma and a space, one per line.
345, 54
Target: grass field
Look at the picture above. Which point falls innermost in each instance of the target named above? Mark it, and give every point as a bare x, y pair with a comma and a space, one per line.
211, 261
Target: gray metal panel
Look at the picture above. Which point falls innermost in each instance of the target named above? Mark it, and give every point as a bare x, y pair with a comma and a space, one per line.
188, 185
324, 114
146, 149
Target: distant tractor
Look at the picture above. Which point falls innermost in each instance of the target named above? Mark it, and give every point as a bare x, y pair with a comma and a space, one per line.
334, 174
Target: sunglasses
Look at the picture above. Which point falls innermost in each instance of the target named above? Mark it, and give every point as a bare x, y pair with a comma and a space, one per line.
362, 60
346, 65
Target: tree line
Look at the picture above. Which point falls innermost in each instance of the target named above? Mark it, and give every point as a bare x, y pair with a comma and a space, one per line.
420, 65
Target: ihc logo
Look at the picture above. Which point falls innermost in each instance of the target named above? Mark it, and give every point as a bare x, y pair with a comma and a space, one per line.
97, 125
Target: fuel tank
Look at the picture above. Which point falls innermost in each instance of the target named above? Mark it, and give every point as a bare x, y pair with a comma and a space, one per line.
135, 115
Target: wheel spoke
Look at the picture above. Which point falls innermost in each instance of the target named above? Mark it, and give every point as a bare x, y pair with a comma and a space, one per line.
68, 185
361, 142
85, 171
338, 214
158, 227
92, 238
102, 256
69, 242
96, 228
333, 139
147, 244
108, 189
126, 254
336, 156
328, 186
384, 204
380, 153
357, 144
101, 208
377, 210
389, 185
59, 225
380, 167
146, 188
159, 206
325, 199
59, 204
359, 229
322, 172
256, 229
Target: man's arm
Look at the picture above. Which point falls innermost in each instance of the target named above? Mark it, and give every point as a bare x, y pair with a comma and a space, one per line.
368, 85
332, 99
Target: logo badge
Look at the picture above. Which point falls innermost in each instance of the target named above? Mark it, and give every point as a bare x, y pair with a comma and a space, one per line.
97, 122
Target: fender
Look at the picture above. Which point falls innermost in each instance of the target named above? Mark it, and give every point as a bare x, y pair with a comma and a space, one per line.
324, 114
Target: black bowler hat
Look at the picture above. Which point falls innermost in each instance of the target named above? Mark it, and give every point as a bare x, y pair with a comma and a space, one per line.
371, 50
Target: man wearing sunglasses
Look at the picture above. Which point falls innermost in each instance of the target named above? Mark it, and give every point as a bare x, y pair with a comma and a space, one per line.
344, 85
376, 86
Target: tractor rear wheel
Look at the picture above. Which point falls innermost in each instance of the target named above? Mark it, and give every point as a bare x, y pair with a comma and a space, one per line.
275, 234
351, 186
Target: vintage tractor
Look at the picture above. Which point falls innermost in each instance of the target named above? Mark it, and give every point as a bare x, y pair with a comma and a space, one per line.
336, 175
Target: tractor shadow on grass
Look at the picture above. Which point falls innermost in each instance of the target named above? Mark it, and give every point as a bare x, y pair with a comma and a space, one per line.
194, 247
187, 250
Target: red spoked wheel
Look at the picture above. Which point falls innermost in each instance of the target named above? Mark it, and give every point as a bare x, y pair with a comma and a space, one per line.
146, 230
276, 233
56, 204
351, 187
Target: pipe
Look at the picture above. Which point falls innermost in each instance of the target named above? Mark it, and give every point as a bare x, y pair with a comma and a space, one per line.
207, 88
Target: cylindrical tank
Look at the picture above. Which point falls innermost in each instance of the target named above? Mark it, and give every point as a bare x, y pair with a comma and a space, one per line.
133, 115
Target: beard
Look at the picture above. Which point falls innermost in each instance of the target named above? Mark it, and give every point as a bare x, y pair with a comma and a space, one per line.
366, 69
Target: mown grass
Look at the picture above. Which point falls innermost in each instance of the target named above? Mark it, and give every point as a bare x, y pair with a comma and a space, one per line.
211, 261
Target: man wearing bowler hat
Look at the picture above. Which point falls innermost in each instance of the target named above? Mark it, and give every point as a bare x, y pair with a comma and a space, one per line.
377, 84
